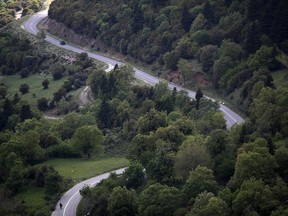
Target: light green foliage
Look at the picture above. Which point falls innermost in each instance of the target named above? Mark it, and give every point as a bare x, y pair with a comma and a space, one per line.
142, 148
227, 22
263, 57
124, 77
151, 121
211, 121
35, 87
185, 68
200, 180
199, 23
122, 202
158, 199
231, 49
208, 54
256, 192
263, 112
161, 91
171, 135
89, 140
78, 169
67, 126
258, 163
207, 204
191, 154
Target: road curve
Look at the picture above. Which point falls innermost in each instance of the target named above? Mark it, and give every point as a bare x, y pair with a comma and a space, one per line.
31, 26
72, 197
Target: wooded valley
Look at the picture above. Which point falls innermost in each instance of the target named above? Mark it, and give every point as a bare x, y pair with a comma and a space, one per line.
183, 158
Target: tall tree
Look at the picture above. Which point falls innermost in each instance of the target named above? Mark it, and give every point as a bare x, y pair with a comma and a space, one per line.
158, 199
198, 96
89, 139
186, 18
207, 204
104, 114
122, 202
200, 180
185, 68
25, 112
191, 154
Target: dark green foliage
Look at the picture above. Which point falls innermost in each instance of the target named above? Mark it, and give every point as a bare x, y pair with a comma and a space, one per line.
24, 88
198, 96
186, 19
25, 112
159, 199
58, 72
45, 84
42, 104
122, 202
53, 183
138, 19
59, 94
236, 43
134, 175
104, 115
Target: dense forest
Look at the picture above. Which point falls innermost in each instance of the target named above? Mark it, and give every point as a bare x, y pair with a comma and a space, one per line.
235, 41
184, 161
208, 171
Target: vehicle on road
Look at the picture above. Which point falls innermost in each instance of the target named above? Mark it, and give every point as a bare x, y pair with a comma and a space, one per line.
62, 42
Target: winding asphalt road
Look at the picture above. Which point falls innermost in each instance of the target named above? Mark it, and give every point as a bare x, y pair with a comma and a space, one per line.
72, 197
31, 26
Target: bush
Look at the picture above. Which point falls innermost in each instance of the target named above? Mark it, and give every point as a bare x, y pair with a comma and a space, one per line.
24, 88
58, 72
45, 84
42, 104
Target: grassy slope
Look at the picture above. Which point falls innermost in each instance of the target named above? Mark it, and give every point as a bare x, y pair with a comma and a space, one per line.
79, 169
35, 86
32, 196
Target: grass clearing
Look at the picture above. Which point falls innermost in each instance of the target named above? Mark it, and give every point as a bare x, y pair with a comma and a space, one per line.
79, 169
36, 90
32, 196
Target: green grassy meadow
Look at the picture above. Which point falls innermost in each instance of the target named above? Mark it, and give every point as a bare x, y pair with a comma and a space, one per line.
33, 197
36, 90
79, 169
76, 169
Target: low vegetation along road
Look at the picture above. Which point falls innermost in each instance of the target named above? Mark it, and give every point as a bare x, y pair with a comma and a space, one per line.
72, 197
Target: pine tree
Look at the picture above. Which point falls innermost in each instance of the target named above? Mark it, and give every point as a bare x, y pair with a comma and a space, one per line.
25, 112
198, 96
104, 114
186, 19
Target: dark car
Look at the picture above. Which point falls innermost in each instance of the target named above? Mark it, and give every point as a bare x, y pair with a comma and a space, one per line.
62, 42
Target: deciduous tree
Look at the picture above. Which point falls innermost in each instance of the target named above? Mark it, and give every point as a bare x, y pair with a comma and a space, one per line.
89, 139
